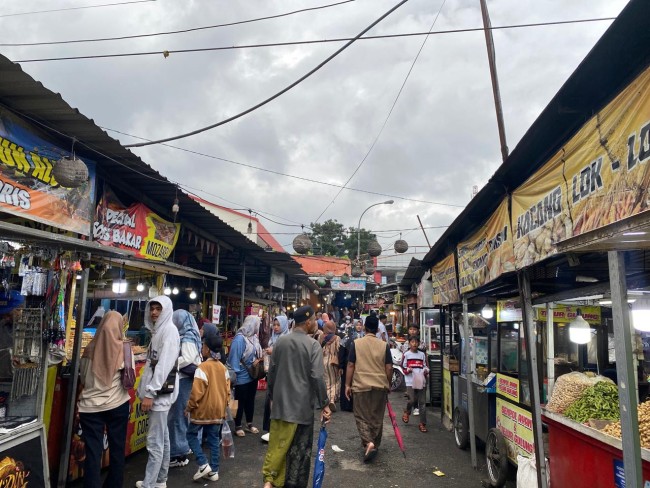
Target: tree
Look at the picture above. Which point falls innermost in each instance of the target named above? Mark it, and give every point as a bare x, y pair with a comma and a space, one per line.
332, 239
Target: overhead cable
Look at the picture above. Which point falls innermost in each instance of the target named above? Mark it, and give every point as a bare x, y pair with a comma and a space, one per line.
314, 41
74, 8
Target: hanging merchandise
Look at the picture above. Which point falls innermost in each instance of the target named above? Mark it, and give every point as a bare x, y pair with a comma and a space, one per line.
26, 352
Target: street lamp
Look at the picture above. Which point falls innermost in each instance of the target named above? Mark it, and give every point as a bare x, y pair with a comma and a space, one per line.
387, 202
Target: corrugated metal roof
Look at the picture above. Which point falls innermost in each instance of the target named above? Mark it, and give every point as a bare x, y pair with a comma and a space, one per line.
30, 100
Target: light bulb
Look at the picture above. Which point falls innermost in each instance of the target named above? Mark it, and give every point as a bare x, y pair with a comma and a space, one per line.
175, 291
641, 315
140, 287
167, 291
579, 330
192, 295
487, 312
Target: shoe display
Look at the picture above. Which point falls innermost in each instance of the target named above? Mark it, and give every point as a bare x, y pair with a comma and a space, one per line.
179, 462
202, 472
213, 476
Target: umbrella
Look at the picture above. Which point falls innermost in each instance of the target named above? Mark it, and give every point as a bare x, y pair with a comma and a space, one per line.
319, 466
398, 434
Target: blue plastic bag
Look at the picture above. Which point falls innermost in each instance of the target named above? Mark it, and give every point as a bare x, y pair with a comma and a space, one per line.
319, 466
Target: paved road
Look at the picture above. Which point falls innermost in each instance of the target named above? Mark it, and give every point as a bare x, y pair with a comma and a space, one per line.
425, 453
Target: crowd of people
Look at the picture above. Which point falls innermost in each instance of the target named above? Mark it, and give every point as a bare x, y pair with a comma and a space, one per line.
310, 362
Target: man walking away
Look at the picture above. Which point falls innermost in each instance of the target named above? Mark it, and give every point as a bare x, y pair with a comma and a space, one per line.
367, 379
297, 386
381, 328
161, 359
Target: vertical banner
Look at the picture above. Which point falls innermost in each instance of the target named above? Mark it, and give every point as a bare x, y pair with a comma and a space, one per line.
488, 253
444, 281
28, 188
216, 314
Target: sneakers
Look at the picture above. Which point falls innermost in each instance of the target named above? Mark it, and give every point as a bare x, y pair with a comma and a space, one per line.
179, 462
416, 411
202, 472
213, 476
139, 484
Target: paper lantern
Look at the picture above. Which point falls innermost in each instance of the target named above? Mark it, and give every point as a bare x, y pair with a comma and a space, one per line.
356, 271
369, 268
374, 248
302, 244
70, 172
345, 278
259, 288
401, 246
321, 282
329, 275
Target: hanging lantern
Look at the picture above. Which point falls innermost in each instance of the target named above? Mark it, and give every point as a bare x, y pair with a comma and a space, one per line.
356, 271
316, 292
329, 275
345, 279
321, 282
374, 248
259, 289
302, 244
70, 172
401, 246
369, 268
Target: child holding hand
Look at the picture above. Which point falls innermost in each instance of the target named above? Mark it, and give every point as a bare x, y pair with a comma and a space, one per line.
416, 372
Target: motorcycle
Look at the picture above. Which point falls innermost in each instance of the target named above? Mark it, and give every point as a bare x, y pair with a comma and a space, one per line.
397, 380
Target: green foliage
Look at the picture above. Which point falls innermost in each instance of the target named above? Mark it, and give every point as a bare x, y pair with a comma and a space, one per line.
331, 238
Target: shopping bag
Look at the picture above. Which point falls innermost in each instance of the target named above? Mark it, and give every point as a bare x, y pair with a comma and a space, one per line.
319, 466
227, 444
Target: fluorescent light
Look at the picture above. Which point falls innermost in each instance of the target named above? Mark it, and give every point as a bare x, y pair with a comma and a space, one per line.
635, 233
119, 286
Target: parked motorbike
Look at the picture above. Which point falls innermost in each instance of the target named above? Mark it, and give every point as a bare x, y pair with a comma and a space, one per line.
397, 380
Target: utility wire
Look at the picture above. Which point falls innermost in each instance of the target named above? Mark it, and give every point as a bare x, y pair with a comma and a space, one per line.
279, 173
383, 126
278, 94
71, 8
167, 33
314, 41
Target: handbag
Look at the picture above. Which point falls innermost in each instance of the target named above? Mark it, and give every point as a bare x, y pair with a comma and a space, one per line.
169, 385
256, 370
128, 372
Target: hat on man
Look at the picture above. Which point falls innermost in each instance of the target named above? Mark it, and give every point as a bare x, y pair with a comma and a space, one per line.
214, 342
303, 314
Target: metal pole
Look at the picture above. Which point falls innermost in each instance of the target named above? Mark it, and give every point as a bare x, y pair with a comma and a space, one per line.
489, 42
533, 376
469, 361
625, 371
215, 290
425, 234
243, 289
387, 202
68, 421
550, 349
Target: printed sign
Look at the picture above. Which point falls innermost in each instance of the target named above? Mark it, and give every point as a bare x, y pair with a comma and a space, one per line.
516, 424
488, 253
134, 228
445, 282
446, 392
22, 464
508, 387
354, 285
565, 314
216, 314
600, 176
28, 188
509, 311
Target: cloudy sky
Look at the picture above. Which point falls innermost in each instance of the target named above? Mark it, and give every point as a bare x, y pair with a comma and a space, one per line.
440, 140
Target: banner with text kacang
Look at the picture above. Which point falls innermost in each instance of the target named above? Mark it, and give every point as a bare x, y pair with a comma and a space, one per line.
135, 228
27, 186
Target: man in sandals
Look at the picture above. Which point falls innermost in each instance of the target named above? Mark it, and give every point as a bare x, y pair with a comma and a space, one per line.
297, 386
367, 379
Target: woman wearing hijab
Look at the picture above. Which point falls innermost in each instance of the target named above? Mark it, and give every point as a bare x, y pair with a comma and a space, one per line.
244, 350
331, 343
104, 403
188, 360
280, 328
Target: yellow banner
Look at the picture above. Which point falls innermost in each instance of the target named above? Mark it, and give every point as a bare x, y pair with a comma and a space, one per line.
516, 424
448, 405
509, 310
488, 253
445, 283
565, 314
508, 387
598, 177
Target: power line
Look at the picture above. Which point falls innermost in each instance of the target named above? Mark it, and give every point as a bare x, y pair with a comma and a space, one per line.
183, 31
278, 94
279, 173
71, 8
314, 41
383, 126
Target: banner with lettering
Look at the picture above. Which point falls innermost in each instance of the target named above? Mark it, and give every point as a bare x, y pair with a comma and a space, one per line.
599, 177
488, 253
28, 188
563, 314
516, 425
445, 282
134, 228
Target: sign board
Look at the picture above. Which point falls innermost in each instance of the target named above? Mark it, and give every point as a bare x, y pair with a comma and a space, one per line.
564, 314
277, 278
508, 387
447, 405
22, 461
488, 253
425, 293
509, 311
216, 314
28, 188
134, 228
355, 284
444, 282
516, 424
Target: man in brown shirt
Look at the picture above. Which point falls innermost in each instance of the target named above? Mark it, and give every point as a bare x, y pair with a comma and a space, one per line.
370, 367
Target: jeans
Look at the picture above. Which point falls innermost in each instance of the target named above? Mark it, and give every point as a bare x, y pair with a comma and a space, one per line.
177, 421
213, 433
92, 426
245, 396
158, 447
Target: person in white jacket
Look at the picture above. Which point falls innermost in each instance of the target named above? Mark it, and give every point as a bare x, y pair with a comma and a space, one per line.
161, 359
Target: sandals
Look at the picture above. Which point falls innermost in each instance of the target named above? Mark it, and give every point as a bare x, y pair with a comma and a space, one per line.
405, 417
423, 428
253, 430
239, 432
